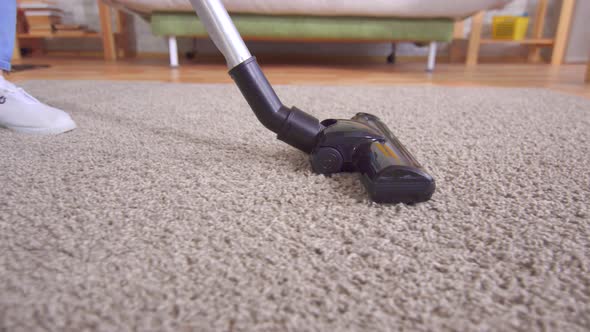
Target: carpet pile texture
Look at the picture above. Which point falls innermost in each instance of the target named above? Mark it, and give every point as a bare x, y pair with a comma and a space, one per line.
171, 208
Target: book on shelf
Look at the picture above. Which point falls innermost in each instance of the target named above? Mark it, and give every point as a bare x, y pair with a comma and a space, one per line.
41, 28
43, 20
21, 22
40, 32
36, 2
70, 33
62, 26
37, 5
42, 13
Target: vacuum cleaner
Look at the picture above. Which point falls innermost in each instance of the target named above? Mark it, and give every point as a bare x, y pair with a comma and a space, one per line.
362, 144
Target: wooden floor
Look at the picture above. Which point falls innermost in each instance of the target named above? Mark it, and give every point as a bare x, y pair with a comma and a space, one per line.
567, 78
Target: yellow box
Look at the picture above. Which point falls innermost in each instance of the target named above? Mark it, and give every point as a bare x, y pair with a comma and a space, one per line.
509, 27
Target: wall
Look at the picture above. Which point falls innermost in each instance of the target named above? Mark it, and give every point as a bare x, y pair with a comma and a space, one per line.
579, 45
85, 11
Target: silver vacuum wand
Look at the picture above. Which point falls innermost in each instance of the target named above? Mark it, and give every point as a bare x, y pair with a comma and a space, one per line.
222, 31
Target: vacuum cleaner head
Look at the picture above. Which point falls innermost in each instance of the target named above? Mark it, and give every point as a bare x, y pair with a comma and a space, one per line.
365, 145
362, 144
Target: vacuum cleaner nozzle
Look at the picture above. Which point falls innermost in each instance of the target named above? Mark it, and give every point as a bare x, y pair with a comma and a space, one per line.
365, 145
362, 144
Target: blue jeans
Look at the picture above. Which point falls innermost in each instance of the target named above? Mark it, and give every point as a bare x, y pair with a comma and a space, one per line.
7, 32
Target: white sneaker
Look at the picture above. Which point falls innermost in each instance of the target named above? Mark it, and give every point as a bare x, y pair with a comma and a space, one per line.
21, 112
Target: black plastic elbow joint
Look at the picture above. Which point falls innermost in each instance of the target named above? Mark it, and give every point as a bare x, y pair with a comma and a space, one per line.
291, 125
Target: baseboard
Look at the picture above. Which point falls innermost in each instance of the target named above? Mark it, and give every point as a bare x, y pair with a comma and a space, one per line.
333, 59
296, 58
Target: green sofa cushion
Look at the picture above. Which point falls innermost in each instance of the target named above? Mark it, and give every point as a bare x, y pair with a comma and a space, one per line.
310, 27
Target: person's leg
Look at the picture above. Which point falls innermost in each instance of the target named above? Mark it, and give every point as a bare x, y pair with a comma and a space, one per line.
7, 32
20, 111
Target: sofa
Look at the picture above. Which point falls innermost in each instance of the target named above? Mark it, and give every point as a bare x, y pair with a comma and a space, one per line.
424, 21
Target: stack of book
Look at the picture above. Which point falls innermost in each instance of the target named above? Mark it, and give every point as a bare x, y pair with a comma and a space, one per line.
41, 15
44, 17
70, 29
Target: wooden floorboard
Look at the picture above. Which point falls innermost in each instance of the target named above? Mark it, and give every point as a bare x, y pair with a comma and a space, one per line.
567, 78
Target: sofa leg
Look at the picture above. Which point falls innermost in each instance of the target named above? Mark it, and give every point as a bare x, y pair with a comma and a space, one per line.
173, 50
431, 57
391, 57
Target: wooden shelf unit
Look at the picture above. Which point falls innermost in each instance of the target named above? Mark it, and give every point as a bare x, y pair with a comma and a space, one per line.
114, 41
534, 43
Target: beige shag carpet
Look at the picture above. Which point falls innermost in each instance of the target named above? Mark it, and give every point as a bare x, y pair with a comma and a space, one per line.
172, 209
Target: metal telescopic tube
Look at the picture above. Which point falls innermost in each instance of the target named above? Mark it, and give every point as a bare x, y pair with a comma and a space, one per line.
222, 31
